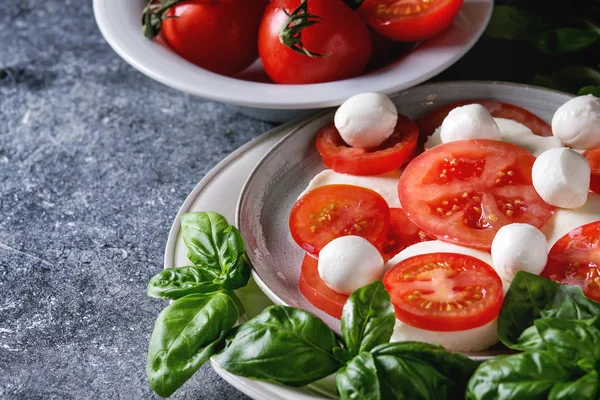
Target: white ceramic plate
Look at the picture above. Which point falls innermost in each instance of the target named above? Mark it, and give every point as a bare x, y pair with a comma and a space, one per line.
119, 22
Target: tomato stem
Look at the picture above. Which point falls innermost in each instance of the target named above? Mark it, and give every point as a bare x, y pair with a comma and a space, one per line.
290, 34
154, 14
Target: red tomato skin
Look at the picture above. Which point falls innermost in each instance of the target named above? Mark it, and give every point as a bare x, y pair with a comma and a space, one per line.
593, 157
341, 34
316, 291
402, 233
415, 27
389, 156
219, 36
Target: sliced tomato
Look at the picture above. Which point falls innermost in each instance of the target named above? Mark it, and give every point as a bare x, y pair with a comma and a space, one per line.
331, 211
410, 20
432, 120
401, 234
575, 260
593, 157
463, 192
316, 291
388, 156
444, 291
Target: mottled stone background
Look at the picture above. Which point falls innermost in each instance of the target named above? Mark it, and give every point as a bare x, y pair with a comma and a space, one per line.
95, 160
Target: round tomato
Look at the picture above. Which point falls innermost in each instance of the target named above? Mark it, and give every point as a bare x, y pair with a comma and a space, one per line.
401, 234
463, 192
331, 211
339, 36
410, 20
575, 260
316, 291
388, 156
218, 35
444, 292
432, 120
593, 157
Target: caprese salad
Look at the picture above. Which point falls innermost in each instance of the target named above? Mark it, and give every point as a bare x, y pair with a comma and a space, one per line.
447, 209
298, 41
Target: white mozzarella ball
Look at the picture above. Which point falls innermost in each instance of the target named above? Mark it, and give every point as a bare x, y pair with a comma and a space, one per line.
366, 120
519, 247
349, 263
476, 339
472, 121
561, 177
577, 122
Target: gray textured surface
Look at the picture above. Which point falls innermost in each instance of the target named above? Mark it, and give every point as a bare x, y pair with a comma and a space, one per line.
95, 160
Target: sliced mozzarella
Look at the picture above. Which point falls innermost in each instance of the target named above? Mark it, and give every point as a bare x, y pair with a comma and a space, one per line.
561, 177
349, 263
475, 339
577, 122
511, 132
386, 185
519, 247
472, 121
437, 246
366, 120
565, 220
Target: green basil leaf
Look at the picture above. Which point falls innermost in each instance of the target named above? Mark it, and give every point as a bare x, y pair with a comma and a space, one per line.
283, 345
569, 79
590, 89
368, 318
571, 341
525, 376
174, 283
354, 4
511, 23
564, 40
185, 335
216, 247
358, 380
530, 339
531, 297
584, 388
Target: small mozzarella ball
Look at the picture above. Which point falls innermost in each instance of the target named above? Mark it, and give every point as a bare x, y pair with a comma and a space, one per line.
519, 247
577, 122
366, 120
349, 263
561, 177
472, 121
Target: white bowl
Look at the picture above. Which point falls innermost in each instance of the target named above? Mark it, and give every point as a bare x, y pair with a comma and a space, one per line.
119, 22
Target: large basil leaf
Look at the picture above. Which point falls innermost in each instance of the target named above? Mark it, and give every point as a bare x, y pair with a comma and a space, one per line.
511, 23
584, 388
569, 79
564, 40
530, 339
185, 336
281, 344
358, 380
525, 376
590, 89
216, 247
174, 283
531, 297
368, 318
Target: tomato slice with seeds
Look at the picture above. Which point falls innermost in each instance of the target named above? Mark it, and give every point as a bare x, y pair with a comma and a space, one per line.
575, 260
593, 157
432, 120
331, 211
463, 192
388, 156
401, 234
316, 291
444, 292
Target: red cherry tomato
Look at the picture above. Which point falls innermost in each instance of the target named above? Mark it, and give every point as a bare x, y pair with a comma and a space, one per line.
388, 156
331, 211
432, 120
463, 192
219, 36
593, 157
340, 36
410, 20
316, 291
401, 234
444, 292
575, 260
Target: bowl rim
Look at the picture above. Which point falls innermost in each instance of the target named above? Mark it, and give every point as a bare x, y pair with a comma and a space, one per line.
112, 20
